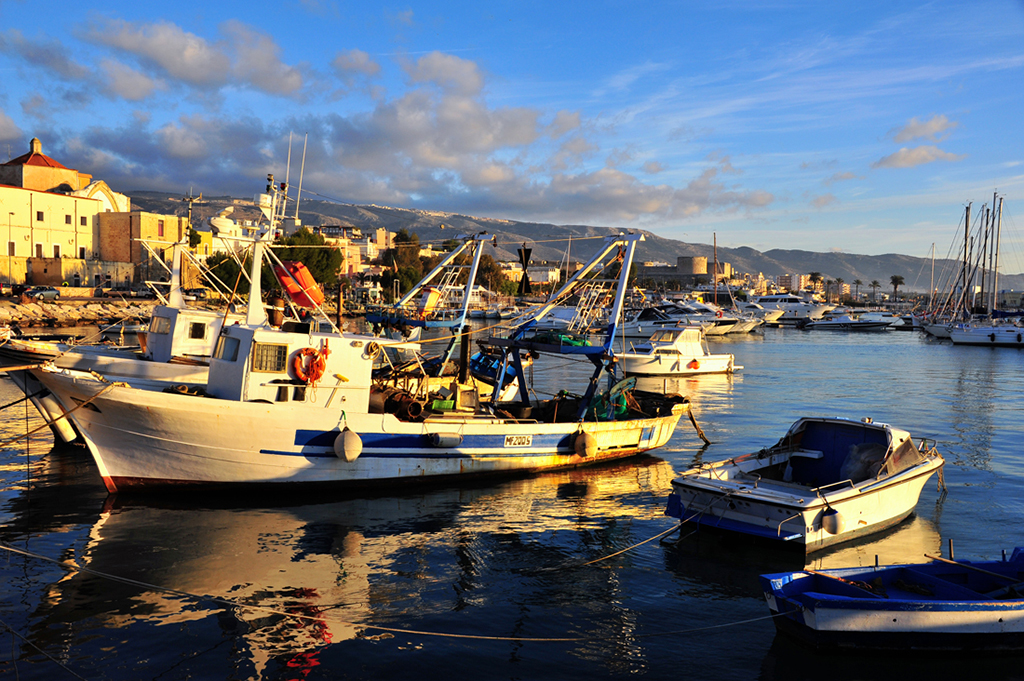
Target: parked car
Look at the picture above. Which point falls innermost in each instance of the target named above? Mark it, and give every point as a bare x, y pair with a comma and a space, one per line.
18, 289
43, 293
195, 293
6, 289
118, 291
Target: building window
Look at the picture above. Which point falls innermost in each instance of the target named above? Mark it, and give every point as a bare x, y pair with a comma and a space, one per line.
67, 219
84, 221
81, 252
39, 250
56, 250
10, 248
159, 227
39, 216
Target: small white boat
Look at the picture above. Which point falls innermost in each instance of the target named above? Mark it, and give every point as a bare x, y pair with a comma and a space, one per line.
847, 323
1006, 334
945, 605
679, 351
828, 480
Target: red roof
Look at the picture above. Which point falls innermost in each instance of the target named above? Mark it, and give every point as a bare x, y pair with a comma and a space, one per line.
33, 159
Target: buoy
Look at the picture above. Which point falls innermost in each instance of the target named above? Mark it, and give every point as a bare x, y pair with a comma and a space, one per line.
693, 364
348, 445
445, 440
585, 444
832, 521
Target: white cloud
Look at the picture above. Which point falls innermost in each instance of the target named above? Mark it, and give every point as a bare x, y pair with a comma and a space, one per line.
127, 83
448, 72
842, 177
354, 62
50, 55
653, 167
166, 47
9, 130
823, 200
257, 62
908, 158
931, 129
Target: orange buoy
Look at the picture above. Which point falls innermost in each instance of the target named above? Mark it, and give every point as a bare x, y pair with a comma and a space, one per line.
312, 372
299, 283
693, 364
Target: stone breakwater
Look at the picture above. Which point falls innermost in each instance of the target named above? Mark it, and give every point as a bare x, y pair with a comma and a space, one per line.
73, 312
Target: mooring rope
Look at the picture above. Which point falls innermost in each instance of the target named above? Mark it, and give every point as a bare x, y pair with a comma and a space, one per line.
361, 625
63, 416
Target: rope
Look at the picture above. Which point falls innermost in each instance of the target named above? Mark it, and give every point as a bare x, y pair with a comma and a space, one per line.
375, 627
65, 415
26, 397
41, 651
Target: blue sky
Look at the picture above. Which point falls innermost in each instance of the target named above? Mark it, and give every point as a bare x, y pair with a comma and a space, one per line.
861, 127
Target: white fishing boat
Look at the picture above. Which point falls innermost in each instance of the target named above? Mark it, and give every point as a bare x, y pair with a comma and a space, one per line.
846, 322
680, 351
828, 480
292, 408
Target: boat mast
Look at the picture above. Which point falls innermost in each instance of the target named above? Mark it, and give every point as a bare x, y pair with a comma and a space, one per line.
995, 267
963, 273
714, 238
931, 285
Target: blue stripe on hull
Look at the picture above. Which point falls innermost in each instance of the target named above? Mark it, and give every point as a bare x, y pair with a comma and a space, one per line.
401, 444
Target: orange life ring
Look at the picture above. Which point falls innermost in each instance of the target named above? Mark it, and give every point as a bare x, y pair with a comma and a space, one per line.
693, 364
315, 370
718, 313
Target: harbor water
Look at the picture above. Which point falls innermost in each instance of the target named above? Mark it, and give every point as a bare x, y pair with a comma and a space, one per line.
505, 579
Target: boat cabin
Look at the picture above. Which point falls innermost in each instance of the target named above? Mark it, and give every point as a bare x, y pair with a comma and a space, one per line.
262, 364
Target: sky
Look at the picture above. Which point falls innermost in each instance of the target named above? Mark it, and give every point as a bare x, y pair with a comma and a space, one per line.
859, 127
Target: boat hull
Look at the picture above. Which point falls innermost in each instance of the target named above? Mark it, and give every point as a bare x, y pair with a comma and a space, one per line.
993, 336
866, 509
168, 439
939, 606
667, 365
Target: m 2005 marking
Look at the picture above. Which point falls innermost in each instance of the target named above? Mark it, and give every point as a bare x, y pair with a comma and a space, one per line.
518, 440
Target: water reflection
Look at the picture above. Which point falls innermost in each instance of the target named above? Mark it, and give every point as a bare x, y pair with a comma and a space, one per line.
389, 561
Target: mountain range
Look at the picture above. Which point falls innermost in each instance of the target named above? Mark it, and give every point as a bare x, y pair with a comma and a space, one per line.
550, 242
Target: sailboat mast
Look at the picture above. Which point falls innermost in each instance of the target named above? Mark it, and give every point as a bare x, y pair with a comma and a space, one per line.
302, 169
963, 273
931, 285
995, 267
714, 276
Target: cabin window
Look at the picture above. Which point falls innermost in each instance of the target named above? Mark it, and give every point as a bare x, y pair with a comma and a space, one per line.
269, 357
161, 325
197, 330
227, 349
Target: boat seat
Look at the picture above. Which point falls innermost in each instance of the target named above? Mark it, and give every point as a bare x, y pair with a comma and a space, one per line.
808, 453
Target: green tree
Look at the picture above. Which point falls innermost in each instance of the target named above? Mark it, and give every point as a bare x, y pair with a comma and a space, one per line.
839, 289
874, 288
857, 284
896, 281
311, 250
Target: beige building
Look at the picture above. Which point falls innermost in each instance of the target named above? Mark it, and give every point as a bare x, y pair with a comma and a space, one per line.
64, 227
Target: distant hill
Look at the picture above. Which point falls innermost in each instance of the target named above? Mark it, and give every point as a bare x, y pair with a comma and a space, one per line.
549, 242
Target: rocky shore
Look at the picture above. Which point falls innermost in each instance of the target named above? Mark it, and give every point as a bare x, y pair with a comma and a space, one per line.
73, 312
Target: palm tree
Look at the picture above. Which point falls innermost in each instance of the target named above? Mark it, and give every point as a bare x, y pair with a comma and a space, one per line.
896, 281
815, 279
874, 288
856, 291
839, 289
